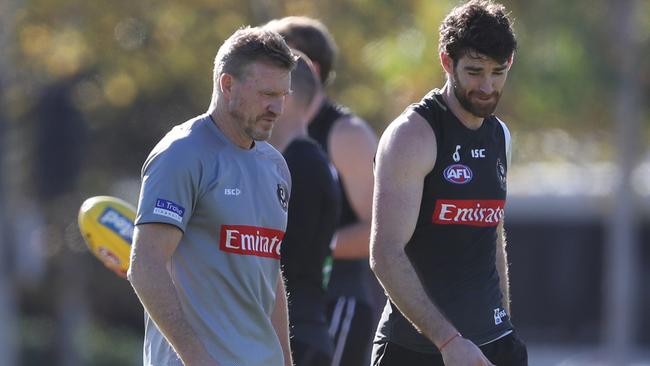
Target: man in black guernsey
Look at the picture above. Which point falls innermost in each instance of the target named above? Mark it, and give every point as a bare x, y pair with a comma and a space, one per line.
437, 244
351, 145
313, 214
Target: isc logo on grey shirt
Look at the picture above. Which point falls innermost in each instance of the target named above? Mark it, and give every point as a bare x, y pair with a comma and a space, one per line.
232, 191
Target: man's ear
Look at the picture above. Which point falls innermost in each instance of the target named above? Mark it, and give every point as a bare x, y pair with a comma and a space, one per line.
511, 59
316, 67
447, 63
225, 84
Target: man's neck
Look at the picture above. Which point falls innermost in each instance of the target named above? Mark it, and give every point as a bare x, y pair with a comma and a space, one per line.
319, 98
229, 127
283, 134
464, 116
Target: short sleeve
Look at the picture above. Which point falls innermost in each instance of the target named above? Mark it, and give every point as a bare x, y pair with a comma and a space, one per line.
168, 190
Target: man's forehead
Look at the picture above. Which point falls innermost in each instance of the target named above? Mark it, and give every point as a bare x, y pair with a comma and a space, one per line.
262, 70
267, 78
476, 59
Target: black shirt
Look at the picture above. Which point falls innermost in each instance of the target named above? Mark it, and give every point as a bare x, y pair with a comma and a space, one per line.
313, 215
453, 247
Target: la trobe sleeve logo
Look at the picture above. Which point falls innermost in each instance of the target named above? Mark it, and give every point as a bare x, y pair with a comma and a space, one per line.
169, 209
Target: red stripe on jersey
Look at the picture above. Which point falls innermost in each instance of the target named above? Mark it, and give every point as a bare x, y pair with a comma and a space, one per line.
251, 240
468, 212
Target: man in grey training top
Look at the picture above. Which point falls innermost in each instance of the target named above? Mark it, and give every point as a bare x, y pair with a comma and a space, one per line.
211, 217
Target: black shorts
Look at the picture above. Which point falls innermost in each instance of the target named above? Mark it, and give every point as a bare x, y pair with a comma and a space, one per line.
352, 329
308, 355
506, 351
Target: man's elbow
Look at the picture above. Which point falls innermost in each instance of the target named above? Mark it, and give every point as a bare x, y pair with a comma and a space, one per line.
129, 275
134, 274
377, 259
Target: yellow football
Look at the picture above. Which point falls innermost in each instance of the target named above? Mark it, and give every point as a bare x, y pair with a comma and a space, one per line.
106, 224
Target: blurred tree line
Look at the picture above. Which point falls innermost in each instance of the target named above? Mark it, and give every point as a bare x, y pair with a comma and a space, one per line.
87, 89
131, 69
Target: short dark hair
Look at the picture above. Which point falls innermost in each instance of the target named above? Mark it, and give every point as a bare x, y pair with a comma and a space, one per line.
248, 45
311, 37
478, 26
304, 82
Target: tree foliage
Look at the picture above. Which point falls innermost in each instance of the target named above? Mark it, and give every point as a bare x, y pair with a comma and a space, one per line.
135, 68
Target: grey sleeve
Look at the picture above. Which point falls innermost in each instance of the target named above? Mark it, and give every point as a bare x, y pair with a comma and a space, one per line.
168, 190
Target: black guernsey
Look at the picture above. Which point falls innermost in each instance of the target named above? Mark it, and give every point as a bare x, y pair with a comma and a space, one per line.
313, 216
349, 276
453, 247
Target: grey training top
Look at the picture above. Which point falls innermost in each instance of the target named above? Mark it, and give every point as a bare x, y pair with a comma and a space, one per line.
231, 204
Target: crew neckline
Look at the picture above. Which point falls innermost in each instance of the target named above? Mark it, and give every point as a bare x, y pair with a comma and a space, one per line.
222, 136
438, 98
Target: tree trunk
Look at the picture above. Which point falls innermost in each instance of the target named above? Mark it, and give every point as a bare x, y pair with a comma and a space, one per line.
8, 311
622, 250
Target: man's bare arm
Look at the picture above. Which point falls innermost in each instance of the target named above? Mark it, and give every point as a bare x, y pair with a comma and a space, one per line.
405, 156
153, 246
502, 266
280, 320
352, 147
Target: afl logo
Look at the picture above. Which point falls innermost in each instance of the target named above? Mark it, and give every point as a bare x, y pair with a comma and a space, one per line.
458, 174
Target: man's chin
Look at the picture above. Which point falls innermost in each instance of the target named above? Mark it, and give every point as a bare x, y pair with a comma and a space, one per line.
483, 109
482, 112
262, 136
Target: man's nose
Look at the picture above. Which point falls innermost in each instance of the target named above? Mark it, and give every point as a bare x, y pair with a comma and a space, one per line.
487, 85
276, 106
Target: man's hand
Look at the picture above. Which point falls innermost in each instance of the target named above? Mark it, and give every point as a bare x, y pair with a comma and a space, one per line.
462, 352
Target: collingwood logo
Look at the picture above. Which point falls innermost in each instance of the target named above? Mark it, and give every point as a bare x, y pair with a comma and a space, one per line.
283, 196
501, 174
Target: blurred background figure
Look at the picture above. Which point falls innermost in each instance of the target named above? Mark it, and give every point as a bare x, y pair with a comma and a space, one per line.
578, 189
60, 135
350, 144
314, 209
